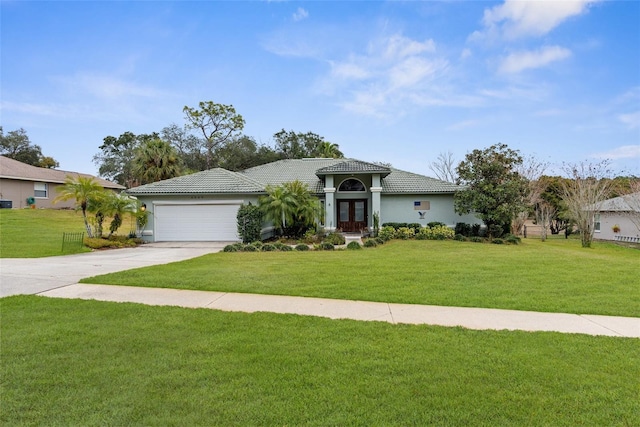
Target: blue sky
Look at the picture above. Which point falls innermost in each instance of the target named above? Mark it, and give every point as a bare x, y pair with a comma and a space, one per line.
398, 82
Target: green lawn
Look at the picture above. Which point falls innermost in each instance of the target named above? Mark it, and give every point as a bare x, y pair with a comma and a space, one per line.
126, 364
35, 233
554, 276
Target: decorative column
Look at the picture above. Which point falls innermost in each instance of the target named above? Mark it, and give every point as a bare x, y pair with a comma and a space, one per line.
329, 204
376, 189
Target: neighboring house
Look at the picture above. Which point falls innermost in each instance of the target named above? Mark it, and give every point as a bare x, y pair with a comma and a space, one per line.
203, 206
618, 219
20, 181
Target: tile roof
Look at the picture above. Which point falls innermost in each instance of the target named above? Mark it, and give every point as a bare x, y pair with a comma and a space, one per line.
256, 179
211, 181
626, 203
351, 166
402, 182
13, 169
306, 170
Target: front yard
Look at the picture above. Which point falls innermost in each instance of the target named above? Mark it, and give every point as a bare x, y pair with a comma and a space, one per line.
70, 362
553, 276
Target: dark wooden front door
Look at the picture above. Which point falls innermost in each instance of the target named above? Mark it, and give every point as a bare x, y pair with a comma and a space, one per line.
352, 215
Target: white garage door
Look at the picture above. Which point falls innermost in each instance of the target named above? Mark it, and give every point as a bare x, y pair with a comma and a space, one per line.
190, 223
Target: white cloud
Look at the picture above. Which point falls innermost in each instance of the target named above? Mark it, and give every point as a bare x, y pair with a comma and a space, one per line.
394, 73
623, 152
105, 87
398, 47
348, 70
519, 61
300, 14
466, 53
632, 120
414, 70
463, 125
516, 18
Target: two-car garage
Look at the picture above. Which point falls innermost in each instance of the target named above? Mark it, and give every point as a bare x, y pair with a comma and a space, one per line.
209, 221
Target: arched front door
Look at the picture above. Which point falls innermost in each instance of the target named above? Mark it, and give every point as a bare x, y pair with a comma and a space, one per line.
352, 215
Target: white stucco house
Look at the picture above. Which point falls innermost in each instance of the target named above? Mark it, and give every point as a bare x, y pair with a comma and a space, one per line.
618, 219
203, 206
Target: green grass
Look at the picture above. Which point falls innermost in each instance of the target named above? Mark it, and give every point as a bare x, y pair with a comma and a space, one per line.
36, 233
127, 364
552, 276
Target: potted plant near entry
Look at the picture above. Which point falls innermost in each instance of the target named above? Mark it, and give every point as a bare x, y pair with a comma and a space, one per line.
616, 228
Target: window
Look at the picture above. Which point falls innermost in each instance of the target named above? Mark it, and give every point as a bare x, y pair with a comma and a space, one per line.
596, 222
40, 190
351, 184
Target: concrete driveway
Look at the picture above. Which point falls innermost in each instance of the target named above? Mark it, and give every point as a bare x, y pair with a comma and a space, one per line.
35, 275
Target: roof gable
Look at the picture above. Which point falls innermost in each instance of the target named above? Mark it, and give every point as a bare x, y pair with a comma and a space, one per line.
13, 169
353, 166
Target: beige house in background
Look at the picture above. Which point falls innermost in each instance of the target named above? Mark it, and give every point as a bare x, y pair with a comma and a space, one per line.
20, 181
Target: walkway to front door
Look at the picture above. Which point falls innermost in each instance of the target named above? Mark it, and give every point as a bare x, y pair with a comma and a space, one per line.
352, 215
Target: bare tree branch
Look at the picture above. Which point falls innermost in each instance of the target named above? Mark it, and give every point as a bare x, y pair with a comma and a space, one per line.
444, 167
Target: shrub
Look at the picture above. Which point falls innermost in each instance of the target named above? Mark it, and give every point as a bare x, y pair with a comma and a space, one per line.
334, 239
476, 239
463, 229
230, 248
249, 222
395, 225
496, 230
387, 233
268, 248
302, 247
379, 240
459, 237
311, 236
434, 224
370, 243
511, 239
278, 246
257, 244
497, 241
405, 233
475, 230
326, 246
354, 246
439, 232
416, 226
249, 248
286, 248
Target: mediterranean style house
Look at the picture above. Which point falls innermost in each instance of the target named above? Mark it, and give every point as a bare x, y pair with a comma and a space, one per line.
203, 206
21, 183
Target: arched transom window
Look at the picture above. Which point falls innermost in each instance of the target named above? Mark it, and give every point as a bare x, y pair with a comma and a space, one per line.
352, 184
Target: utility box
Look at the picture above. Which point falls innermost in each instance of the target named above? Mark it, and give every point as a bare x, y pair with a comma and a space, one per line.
6, 204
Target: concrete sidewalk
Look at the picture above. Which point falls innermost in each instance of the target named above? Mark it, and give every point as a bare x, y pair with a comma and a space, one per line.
472, 318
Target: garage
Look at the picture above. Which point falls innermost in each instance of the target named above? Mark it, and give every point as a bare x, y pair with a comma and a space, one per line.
207, 222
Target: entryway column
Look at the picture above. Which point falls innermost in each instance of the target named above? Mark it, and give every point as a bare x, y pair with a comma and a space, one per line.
329, 204
376, 189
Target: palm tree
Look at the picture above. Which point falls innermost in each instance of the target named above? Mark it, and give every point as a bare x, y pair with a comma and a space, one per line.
156, 160
116, 205
290, 205
82, 189
278, 206
328, 150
